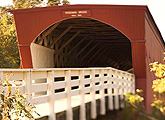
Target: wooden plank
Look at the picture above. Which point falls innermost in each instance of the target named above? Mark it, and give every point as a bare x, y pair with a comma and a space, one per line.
87, 89
87, 81
75, 35
39, 75
60, 36
75, 92
102, 99
110, 97
59, 96
93, 100
56, 61
116, 90
75, 83
133, 84
52, 115
96, 58
65, 52
40, 100
49, 38
76, 45
87, 72
39, 87
15, 75
60, 53
59, 73
39, 37
97, 79
56, 56
61, 61
89, 51
121, 90
73, 57
48, 32
75, 73
95, 54
46, 41
28, 80
97, 87
69, 112
82, 96
83, 49
106, 86
59, 85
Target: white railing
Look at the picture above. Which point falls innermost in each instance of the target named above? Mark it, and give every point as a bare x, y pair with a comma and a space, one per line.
50, 85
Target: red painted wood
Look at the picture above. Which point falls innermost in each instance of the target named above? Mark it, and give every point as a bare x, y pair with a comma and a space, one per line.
128, 20
135, 22
26, 59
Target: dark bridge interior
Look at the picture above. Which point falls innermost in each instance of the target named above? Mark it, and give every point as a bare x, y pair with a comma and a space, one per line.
84, 42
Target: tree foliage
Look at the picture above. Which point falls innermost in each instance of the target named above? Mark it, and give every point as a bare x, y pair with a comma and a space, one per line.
14, 106
18, 4
134, 102
8, 42
9, 52
159, 87
134, 108
53, 2
57, 2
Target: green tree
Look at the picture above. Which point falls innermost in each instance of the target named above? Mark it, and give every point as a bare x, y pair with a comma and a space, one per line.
57, 2
9, 53
65, 2
13, 105
8, 42
18, 4
53, 2
134, 103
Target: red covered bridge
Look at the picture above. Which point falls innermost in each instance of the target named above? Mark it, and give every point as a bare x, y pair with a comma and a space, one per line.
73, 36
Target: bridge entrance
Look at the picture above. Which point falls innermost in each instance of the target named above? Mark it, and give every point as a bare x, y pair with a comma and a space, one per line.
81, 42
61, 37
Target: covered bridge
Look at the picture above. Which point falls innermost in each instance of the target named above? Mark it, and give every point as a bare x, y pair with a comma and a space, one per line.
73, 36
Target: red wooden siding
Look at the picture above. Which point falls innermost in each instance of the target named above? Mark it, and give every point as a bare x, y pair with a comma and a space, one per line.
132, 21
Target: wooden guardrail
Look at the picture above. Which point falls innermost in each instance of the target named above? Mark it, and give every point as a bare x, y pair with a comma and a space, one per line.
49, 85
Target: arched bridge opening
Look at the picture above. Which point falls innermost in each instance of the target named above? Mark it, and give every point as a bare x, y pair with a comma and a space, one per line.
81, 42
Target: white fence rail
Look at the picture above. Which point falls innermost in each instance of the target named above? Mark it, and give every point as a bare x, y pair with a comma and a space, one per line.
49, 85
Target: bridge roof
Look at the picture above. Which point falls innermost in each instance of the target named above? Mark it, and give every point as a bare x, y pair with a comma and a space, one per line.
134, 21
100, 9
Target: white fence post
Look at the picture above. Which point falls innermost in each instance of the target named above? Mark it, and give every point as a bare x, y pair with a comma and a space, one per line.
116, 88
1, 80
28, 85
110, 97
69, 113
2, 76
102, 99
129, 83
82, 102
93, 100
121, 82
121, 89
50, 81
133, 84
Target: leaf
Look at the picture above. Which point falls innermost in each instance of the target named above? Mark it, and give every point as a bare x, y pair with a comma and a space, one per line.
2, 97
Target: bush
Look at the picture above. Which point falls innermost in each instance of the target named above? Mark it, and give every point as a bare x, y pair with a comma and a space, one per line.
134, 108
14, 106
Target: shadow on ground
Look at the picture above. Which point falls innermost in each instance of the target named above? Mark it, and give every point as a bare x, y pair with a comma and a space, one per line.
110, 115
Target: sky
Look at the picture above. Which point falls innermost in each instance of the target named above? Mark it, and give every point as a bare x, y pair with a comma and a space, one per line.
156, 7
